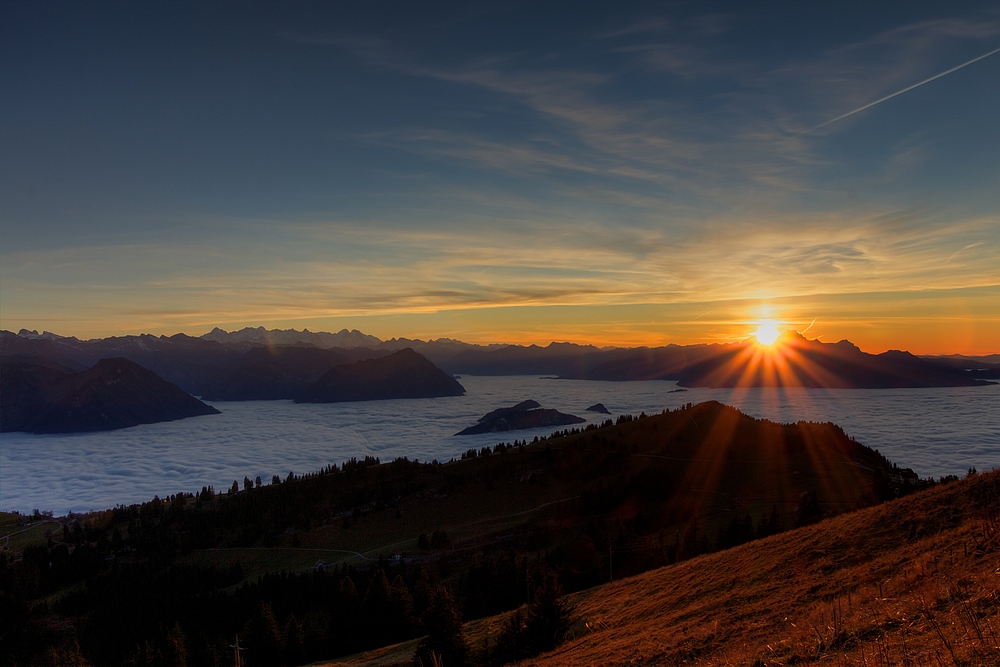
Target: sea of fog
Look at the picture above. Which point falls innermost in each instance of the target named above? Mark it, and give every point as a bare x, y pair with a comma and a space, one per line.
934, 431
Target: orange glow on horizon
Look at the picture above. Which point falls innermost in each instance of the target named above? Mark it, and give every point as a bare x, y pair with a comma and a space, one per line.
920, 324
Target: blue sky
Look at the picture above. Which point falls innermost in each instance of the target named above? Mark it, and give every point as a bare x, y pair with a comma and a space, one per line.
615, 173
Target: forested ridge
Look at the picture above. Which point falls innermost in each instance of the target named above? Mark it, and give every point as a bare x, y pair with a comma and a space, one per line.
394, 546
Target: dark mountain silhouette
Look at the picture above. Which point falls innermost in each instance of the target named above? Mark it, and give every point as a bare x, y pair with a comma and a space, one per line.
980, 368
190, 363
440, 351
598, 407
563, 359
205, 366
112, 394
795, 361
965, 360
811, 364
270, 373
526, 414
44, 350
403, 374
27, 390
657, 363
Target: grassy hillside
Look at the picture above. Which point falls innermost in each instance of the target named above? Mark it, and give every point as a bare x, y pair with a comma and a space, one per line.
910, 582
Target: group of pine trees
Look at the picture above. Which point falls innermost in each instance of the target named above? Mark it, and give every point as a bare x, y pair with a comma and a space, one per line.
133, 615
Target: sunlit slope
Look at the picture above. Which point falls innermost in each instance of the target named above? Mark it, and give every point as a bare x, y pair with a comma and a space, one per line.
913, 581
910, 582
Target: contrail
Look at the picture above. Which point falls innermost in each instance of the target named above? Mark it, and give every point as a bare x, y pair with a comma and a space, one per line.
904, 90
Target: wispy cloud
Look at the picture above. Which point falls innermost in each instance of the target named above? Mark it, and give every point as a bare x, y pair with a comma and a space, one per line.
904, 90
751, 137
846, 79
352, 269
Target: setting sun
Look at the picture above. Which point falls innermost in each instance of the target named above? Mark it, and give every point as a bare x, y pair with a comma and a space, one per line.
767, 332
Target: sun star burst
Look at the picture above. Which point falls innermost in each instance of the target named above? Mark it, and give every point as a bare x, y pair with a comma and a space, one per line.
767, 332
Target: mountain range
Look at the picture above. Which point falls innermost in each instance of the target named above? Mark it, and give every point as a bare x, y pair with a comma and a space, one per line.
258, 364
54, 384
794, 361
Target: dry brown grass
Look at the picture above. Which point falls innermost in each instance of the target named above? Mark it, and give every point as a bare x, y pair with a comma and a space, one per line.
912, 582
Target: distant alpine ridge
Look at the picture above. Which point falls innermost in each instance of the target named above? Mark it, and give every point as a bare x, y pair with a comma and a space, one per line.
261, 364
261, 336
61, 384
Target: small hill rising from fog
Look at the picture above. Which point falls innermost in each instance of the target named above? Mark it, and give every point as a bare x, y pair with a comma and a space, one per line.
112, 394
403, 374
526, 414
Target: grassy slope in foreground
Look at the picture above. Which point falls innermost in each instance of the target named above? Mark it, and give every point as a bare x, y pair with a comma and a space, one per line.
910, 582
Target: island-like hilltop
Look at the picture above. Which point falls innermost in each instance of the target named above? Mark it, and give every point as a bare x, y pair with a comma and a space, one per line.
524, 415
402, 374
112, 394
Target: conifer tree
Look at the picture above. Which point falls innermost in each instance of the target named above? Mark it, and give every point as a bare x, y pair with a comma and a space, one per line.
547, 616
443, 625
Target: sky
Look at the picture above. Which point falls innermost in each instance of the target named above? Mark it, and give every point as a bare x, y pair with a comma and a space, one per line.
607, 173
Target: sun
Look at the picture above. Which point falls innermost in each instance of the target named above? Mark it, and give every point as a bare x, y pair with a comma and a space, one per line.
767, 332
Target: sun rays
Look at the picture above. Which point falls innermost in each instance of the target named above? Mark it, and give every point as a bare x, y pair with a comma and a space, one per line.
773, 357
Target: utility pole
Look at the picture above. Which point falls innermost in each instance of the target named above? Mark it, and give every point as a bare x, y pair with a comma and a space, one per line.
611, 562
236, 652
